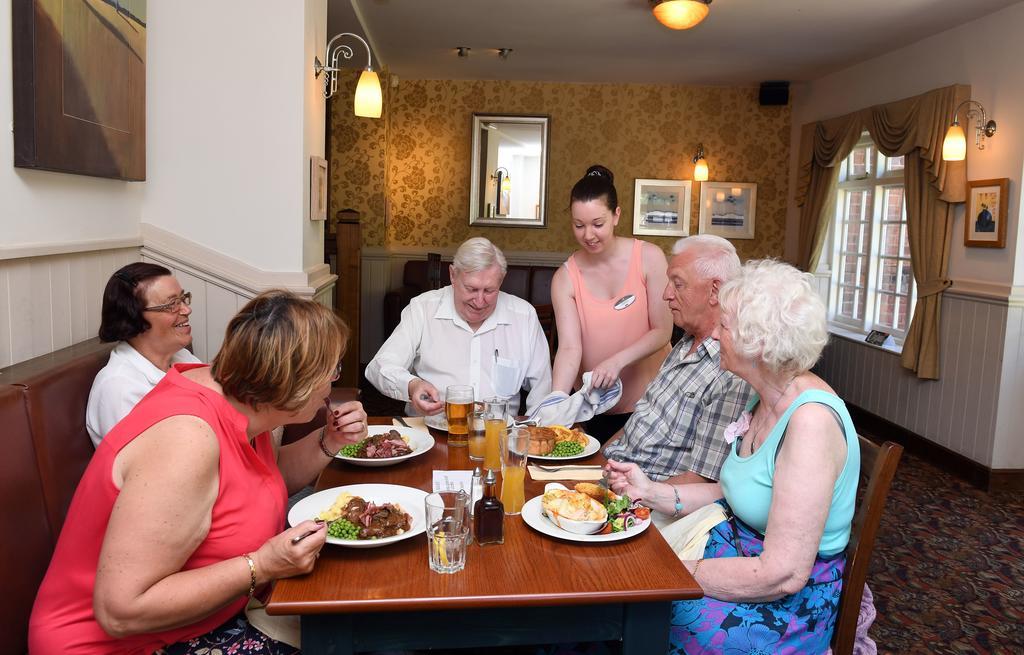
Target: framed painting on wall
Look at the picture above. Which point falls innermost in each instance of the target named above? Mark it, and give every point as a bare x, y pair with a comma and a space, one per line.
727, 209
79, 86
661, 208
317, 188
985, 221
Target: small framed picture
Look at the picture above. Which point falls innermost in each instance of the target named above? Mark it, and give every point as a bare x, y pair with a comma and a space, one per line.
878, 338
985, 222
727, 209
661, 208
317, 188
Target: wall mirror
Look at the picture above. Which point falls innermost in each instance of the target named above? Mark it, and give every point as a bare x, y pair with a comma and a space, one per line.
509, 170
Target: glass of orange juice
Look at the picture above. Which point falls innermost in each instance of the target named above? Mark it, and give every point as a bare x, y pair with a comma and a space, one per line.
477, 435
514, 452
495, 412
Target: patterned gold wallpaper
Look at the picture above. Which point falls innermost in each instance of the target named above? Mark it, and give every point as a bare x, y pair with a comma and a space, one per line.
414, 162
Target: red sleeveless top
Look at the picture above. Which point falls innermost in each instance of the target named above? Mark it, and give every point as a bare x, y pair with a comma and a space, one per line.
250, 508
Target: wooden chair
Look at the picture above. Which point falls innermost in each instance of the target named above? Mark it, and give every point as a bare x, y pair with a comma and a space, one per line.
434, 270
877, 468
546, 317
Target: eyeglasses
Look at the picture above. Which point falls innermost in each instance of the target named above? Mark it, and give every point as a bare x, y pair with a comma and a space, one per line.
172, 307
337, 373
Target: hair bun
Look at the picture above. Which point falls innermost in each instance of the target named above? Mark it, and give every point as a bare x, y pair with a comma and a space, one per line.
597, 170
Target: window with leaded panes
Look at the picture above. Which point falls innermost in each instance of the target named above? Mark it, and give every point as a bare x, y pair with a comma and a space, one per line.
872, 282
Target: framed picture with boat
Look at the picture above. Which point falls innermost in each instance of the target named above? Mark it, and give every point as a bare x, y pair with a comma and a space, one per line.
661, 208
727, 209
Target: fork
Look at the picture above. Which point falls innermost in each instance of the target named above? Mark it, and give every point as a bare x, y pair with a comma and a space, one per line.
556, 469
327, 525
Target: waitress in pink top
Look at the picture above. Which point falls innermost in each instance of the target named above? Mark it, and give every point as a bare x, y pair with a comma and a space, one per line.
609, 311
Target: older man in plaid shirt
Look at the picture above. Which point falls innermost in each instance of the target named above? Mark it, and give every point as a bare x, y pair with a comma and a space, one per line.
677, 429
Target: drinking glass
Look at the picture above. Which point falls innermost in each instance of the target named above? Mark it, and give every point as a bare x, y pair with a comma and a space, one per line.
514, 451
448, 530
458, 408
495, 414
477, 435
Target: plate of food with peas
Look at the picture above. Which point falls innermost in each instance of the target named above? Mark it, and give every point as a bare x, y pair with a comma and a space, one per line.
557, 443
385, 445
364, 515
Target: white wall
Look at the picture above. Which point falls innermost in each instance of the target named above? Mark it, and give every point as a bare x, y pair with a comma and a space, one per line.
227, 165
986, 54
38, 207
314, 123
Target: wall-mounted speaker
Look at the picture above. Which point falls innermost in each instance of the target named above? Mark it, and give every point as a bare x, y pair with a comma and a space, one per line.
774, 93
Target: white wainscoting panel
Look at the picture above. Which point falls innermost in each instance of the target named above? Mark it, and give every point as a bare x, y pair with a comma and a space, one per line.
959, 410
48, 302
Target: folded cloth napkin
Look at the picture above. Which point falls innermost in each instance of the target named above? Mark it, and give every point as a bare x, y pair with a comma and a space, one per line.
559, 408
413, 421
689, 535
583, 475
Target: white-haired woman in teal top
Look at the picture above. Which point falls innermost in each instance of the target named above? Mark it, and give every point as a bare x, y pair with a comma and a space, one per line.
772, 571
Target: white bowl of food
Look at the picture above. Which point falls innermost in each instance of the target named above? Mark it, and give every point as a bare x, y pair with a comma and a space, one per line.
573, 511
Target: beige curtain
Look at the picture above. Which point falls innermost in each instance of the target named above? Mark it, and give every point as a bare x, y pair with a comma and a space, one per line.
914, 127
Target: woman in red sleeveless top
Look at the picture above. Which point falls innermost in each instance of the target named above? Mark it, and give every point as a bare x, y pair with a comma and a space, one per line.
178, 518
609, 310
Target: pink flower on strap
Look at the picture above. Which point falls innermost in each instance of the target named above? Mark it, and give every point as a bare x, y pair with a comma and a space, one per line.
737, 428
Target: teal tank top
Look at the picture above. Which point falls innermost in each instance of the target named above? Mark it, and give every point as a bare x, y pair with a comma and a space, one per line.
747, 481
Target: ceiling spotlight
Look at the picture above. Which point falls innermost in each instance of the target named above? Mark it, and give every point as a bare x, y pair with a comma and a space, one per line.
463, 51
680, 14
504, 52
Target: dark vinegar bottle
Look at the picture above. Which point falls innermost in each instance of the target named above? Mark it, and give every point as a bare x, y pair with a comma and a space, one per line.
489, 515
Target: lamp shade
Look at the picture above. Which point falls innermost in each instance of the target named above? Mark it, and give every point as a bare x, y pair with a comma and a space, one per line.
680, 14
369, 98
954, 146
700, 170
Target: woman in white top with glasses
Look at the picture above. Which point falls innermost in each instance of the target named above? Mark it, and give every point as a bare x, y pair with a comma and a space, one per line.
146, 311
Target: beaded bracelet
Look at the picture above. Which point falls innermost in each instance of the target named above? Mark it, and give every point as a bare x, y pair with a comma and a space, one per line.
252, 574
679, 504
323, 446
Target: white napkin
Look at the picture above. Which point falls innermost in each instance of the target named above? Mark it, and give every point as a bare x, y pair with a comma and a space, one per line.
559, 408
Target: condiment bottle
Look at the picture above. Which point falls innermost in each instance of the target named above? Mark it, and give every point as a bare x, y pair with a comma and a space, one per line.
477, 489
489, 514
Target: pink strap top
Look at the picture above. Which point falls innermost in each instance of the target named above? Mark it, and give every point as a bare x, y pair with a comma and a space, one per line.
606, 330
250, 508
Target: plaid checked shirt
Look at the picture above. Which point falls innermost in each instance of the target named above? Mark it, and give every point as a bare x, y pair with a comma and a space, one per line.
679, 423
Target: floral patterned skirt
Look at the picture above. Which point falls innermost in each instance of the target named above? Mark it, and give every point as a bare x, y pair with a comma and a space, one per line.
798, 623
234, 637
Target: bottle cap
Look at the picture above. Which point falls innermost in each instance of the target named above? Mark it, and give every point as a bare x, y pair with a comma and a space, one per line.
491, 478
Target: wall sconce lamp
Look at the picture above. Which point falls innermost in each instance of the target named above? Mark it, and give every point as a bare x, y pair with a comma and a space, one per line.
954, 146
700, 165
369, 99
680, 14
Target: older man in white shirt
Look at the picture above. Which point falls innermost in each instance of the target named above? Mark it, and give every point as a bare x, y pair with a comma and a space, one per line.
468, 333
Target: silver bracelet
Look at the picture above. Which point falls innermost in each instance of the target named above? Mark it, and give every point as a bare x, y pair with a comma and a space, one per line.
679, 504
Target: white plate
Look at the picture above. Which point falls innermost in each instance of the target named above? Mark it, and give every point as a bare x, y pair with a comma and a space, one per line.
533, 514
419, 440
408, 498
593, 445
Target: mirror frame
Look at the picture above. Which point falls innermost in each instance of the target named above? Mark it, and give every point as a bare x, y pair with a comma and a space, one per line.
475, 174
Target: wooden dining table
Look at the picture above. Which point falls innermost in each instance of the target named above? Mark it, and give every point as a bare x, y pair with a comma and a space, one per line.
533, 589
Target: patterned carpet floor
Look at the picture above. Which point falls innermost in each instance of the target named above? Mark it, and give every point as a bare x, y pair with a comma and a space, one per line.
948, 567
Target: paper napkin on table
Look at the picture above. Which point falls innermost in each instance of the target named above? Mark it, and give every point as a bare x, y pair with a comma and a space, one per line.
413, 421
594, 474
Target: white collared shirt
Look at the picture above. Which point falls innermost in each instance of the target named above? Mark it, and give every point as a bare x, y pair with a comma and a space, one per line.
120, 385
434, 343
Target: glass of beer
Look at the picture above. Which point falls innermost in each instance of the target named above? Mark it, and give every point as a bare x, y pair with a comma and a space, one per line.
514, 451
495, 413
458, 409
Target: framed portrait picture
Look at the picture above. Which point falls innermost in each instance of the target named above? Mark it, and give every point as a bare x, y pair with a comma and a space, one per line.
317, 188
985, 221
661, 208
727, 209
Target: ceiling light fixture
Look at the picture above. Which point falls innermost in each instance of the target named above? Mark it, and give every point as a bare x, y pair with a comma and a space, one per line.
954, 146
680, 14
369, 99
700, 165
463, 50
504, 52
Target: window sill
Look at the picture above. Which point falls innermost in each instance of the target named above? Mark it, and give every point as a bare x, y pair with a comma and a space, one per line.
857, 337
